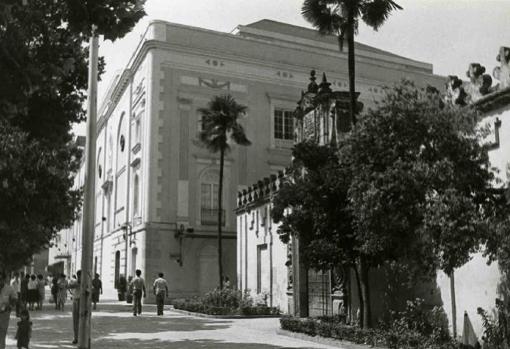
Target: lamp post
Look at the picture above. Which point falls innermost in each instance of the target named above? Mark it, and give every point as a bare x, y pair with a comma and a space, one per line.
179, 236
89, 197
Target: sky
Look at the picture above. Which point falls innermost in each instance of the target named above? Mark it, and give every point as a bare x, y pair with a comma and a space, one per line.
449, 34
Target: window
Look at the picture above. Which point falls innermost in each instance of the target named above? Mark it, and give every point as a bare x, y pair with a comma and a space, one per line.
136, 195
283, 124
209, 190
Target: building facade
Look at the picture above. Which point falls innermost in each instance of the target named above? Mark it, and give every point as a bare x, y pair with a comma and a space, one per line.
156, 186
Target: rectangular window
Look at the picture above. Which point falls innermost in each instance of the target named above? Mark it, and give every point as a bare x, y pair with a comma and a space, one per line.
283, 124
209, 204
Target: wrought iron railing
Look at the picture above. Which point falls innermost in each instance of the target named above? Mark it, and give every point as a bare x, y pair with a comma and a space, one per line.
209, 216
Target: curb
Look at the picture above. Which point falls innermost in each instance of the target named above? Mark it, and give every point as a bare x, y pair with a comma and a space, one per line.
324, 340
190, 313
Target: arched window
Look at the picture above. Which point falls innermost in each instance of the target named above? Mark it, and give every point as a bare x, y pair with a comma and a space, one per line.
110, 153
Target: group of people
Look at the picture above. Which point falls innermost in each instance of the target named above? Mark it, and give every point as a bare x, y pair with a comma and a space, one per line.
30, 290
134, 289
60, 288
10, 298
26, 292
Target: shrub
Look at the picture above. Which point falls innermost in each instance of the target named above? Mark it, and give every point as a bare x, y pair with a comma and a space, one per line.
496, 329
224, 302
414, 328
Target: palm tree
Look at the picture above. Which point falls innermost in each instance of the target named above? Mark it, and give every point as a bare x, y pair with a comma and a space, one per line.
220, 127
341, 18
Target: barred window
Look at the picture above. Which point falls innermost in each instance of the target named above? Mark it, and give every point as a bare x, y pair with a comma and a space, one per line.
283, 124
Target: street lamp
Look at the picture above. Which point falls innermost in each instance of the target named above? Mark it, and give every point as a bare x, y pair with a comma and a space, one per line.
179, 236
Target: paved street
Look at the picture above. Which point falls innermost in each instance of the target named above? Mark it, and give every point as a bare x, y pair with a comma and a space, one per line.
115, 327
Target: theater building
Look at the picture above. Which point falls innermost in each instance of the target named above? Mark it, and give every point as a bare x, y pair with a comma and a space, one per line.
156, 186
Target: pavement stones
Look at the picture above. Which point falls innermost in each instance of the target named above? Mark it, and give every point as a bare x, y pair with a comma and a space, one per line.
113, 326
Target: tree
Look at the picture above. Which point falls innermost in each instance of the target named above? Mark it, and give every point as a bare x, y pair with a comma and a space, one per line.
43, 66
341, 18
220, 127
415, 188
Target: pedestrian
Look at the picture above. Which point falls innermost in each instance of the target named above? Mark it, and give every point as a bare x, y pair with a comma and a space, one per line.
33, 292
160, 288
8, 300
41, 287
54, 290
75, 285
16, 285
24, 290
122, 288
62, 292
138, 288
24, 331
226, 282
97, 288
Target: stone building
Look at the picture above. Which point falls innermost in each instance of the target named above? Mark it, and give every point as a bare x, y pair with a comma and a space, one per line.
477, 284
155, 185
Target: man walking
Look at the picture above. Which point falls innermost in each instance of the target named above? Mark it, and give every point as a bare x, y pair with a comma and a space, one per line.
75, 285
97, 289
8, 299
16, 285
138, 287
160, 288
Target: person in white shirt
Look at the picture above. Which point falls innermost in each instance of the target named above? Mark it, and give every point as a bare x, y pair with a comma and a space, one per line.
75, 286
160, 288
138, 285
16, 286
8, 299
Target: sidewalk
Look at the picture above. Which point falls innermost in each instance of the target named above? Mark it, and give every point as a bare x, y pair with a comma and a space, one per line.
113, 326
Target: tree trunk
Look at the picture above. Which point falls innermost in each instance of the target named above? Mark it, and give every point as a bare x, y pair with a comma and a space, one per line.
365, 293
361, 302
220, 216
351, 65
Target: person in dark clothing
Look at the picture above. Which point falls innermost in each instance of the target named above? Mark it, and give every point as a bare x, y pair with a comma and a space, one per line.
97, 289
24, 290
24, 331
54, 290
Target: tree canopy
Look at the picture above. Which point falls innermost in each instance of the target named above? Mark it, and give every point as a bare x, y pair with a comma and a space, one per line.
43, 68
411, 184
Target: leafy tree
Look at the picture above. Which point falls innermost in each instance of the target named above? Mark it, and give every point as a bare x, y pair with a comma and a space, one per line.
43, 66
414, 187
341, 18
220, 127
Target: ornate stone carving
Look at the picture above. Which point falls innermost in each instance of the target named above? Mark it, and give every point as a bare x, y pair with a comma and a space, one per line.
455, 93
502, 73
479, 83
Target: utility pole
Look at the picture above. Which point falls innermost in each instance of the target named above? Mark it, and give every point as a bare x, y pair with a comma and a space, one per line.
89, 199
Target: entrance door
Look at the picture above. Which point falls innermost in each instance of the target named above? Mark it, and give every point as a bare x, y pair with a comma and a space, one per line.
117, 269
208, 264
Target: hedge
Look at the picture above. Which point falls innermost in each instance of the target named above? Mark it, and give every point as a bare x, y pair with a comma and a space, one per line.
387, 338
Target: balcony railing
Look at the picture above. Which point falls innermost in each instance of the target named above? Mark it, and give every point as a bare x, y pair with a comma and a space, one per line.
209, 216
